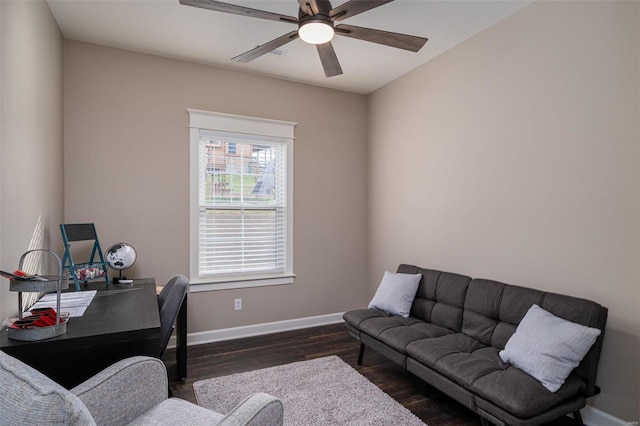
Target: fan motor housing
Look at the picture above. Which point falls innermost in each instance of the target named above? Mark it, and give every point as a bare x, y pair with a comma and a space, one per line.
324, 9
307, 19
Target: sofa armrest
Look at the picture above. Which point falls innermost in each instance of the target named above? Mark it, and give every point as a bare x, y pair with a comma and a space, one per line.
257, 409
125, 390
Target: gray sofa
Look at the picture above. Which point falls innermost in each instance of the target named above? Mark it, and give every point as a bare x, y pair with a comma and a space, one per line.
454, 333
131, 392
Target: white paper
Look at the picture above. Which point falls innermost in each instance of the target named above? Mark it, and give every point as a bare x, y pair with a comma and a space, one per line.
74, 303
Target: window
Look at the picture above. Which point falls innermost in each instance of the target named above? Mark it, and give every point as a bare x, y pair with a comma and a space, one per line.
241, 200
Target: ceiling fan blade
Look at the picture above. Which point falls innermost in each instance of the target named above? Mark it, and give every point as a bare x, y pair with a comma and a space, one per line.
329, 60
220, 6
355, 7
266, 48
401, 41
310, 7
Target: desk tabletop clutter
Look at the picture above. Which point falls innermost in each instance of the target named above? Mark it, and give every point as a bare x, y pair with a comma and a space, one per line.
120, 321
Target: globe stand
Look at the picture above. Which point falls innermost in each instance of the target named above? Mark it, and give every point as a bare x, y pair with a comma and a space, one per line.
117, 279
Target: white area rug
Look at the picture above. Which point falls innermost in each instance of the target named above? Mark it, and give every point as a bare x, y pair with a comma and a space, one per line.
323, 391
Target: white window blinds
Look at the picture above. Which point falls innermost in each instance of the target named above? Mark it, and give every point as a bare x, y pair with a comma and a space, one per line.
242, 204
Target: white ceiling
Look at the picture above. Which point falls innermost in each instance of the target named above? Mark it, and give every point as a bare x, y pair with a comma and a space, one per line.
167, 28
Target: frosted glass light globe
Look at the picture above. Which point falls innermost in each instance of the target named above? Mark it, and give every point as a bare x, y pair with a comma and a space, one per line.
316, 32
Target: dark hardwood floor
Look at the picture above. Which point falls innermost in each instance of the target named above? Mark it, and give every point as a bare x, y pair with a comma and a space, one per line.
236, 356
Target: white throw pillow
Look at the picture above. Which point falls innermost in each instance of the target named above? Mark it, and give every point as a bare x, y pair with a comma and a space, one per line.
548, 347
395, 293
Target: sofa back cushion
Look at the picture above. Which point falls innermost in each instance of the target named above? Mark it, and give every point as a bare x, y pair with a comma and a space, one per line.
440, 296
493, 310
29, 397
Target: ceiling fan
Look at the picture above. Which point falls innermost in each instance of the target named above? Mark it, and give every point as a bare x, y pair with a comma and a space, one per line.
315, 23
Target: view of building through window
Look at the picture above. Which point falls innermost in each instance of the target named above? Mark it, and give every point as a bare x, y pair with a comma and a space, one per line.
238, 172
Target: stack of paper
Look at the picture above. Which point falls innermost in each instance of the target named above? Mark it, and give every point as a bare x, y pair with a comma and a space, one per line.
75, 303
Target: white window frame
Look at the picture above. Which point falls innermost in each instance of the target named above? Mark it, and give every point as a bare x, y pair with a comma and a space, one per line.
207, 120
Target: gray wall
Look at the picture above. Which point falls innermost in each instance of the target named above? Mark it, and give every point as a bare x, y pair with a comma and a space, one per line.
515, 156
127, 170
31, 135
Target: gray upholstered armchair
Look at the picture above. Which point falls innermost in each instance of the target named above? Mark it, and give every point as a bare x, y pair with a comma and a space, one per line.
132, 391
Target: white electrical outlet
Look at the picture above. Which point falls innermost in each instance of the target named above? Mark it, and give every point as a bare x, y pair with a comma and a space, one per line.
237, 304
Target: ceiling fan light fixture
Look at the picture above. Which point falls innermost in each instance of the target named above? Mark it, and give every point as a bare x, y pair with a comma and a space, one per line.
316, 21
316, 31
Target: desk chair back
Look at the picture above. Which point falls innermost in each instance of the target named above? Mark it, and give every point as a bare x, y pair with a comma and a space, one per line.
168, 286
171, 304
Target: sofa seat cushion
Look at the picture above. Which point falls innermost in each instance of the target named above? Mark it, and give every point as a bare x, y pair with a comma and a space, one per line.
429, 352
395, 331
458, 357
479, 369
522, 395
357, 316
401, 336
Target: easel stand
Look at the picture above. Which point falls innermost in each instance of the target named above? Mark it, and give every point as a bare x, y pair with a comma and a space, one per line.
94, 268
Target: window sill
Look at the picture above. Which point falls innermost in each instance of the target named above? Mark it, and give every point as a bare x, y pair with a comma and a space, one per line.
228, 284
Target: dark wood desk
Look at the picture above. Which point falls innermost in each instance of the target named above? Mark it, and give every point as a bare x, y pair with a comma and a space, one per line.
121, 321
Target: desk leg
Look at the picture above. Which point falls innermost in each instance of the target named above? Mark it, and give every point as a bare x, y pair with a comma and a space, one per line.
181, 339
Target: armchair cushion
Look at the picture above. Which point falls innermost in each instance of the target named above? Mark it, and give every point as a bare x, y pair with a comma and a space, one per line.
124, 390
29, 397
259, 409
176, 411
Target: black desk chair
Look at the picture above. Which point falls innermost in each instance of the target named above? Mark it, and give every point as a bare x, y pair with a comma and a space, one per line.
168, 286
172, 301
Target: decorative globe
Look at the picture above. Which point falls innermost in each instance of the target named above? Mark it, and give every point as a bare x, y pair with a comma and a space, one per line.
121, 256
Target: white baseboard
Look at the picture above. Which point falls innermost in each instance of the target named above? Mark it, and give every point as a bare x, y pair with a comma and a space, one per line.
591, 416
594, 417
211, 336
